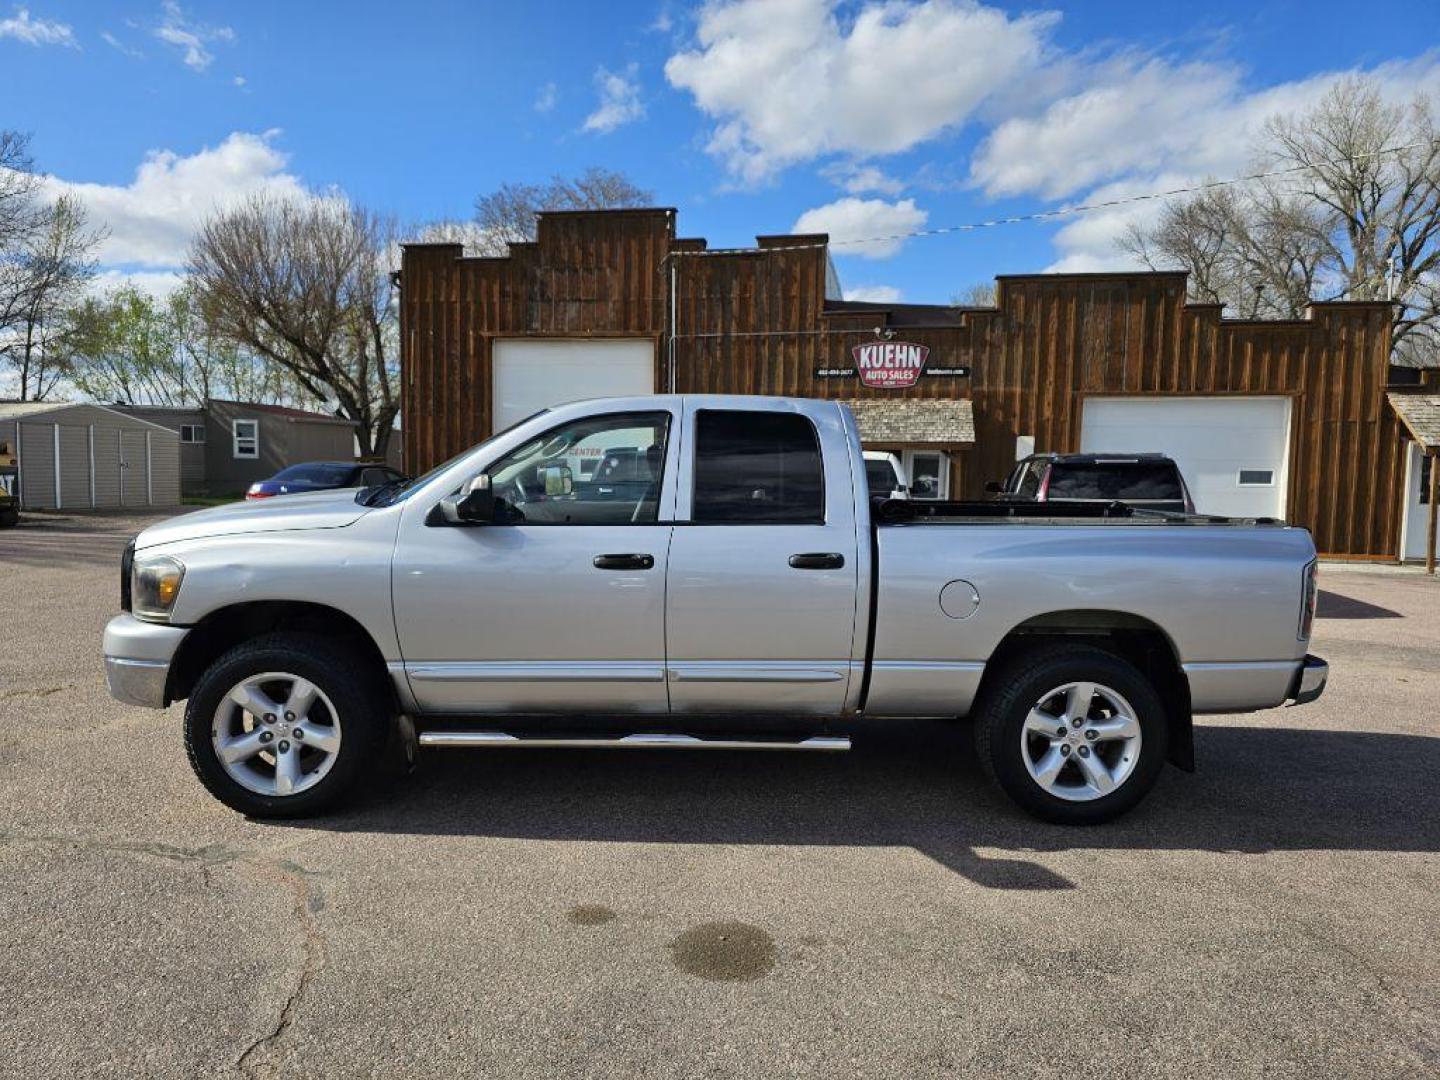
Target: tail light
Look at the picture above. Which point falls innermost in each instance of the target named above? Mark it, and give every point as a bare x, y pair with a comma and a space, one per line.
257, 491
1310, 596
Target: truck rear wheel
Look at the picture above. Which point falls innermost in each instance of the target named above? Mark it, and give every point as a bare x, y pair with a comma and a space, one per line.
285, 725
1072, 733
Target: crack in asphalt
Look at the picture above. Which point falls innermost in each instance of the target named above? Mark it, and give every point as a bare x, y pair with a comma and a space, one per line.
1420, 1036
208, 855
271, 866
306, 903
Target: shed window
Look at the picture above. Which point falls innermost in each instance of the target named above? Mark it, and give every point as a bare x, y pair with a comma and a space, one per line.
192, 433
246, 438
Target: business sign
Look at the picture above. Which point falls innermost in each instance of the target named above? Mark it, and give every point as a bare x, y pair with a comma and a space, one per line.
890, 365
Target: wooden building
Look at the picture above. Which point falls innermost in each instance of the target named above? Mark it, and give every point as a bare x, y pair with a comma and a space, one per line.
1292, 418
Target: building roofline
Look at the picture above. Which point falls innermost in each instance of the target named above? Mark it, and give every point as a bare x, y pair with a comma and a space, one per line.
60, 405
1094, 275
615, 210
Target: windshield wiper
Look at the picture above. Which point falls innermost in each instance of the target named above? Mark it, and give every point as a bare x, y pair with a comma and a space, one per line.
371, 496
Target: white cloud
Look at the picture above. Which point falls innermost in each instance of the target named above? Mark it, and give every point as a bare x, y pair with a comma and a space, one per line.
1126, 120
190, 38
619, 99
152, 219
158, 283
851, 219
239, 81
875, 294
547, 97
1136, 126
858, 179
119, 46
786, 81
31, 31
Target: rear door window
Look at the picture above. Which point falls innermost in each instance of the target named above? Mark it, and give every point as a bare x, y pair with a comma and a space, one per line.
757, 468
1133, 482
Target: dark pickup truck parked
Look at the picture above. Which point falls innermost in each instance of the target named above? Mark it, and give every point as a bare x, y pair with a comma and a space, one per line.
1147, 481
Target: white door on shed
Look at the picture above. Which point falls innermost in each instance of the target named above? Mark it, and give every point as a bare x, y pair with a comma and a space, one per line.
535, 374
1232, 451
1417, 502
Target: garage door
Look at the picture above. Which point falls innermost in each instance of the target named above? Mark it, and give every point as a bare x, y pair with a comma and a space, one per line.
536, 374
1231, 450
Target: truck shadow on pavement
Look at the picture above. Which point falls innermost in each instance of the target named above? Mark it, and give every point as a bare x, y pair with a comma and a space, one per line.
916, 784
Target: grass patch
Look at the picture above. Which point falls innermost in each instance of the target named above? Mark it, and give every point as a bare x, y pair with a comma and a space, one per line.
209, 500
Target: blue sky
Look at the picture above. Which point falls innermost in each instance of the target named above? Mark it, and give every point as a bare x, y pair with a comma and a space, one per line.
749, 117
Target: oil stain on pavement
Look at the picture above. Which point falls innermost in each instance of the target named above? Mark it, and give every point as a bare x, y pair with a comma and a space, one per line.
724, 952
590, 915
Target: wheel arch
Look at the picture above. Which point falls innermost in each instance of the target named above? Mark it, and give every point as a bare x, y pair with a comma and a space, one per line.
234, 624
1132, 638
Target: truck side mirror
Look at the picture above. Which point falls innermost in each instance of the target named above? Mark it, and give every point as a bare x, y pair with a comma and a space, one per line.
995, 487
474, 505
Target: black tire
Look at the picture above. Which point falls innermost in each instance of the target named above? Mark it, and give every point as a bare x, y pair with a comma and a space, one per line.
1000, 720
9, 517
360, 696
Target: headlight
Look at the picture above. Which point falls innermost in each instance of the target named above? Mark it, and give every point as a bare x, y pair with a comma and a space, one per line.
154, 585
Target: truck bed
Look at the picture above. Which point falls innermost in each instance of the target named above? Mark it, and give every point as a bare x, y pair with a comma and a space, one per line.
906, 511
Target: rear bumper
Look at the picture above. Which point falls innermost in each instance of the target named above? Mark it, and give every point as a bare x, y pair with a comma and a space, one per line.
1309, 681
1246, 686
137, 660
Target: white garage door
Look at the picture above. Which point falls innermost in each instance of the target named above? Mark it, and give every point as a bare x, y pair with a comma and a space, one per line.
535, 374
1231, 450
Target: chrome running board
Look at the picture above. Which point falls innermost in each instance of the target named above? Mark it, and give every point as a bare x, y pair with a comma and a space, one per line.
504, 740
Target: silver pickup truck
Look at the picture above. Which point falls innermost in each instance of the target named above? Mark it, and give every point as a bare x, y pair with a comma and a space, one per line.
700, 572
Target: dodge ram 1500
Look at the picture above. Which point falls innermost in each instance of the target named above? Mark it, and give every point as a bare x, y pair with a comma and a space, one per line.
699, 572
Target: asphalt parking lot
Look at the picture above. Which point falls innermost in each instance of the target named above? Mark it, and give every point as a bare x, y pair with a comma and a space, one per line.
583, 914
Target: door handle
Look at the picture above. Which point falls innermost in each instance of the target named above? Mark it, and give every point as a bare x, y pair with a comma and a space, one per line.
817, 560
624, 562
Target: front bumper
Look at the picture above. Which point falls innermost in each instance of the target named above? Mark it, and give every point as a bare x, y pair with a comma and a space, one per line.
1309, 681
137, 660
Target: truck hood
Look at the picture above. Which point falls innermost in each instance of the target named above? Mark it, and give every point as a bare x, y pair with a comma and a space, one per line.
321, 510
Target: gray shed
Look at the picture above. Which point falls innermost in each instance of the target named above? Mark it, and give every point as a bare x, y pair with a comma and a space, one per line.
87, 456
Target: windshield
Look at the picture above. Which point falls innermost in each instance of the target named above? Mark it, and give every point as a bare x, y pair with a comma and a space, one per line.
317, 472
399, 490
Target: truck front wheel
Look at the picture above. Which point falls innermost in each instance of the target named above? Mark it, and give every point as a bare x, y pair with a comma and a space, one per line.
285, 725
1072, 733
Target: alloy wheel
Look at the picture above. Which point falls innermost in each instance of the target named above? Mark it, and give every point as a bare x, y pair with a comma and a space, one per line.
1080, 741
276, 733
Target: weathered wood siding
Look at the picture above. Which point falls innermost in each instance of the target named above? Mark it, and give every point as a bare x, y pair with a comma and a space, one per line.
756, 322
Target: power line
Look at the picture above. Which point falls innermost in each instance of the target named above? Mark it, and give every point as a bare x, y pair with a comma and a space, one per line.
1064, 211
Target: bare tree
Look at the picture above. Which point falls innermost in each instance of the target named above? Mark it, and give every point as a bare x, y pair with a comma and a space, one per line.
215, 367
19, 186
1257, 252
48, 270
981, 294
1357, 216
507, 214
305, 283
